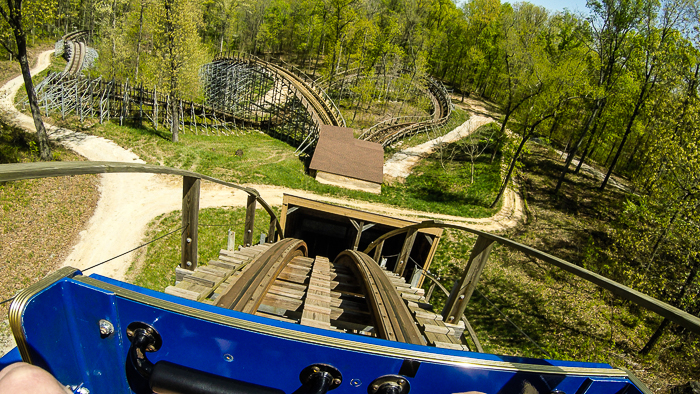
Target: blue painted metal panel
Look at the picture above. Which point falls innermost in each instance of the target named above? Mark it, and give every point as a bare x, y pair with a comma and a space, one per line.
62, 330
10, 357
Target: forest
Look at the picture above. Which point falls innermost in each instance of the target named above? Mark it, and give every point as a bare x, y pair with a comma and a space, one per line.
617, 87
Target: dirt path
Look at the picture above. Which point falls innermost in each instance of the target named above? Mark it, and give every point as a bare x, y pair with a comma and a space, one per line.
128, 202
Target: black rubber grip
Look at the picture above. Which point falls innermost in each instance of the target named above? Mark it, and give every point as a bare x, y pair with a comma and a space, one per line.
169, 378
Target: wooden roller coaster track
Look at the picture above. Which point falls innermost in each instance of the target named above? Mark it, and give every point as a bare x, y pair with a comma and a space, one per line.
354, 293
390, 131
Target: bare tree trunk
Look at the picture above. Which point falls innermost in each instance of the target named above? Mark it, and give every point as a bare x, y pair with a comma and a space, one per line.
572, 153
662, 327
587, 151
14, 19
514, 160
138, 42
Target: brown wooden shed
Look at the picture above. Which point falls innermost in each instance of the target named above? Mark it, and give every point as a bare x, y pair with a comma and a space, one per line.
342, 160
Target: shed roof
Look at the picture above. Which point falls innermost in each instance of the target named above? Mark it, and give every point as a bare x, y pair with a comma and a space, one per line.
338, 152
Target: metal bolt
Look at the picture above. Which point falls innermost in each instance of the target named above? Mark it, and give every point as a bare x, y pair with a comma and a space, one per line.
375, 387
461, 297
451, 318
189, 240
315, 369
401, 382
337, 381
189, 264
250, 231
106, 328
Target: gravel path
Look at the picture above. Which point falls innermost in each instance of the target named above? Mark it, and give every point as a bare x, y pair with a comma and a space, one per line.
128, 202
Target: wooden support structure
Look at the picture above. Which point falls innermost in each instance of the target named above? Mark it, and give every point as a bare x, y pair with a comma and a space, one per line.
190, 222
358, 232
249, 220
463, 289
378, 252
405, 252
273, 230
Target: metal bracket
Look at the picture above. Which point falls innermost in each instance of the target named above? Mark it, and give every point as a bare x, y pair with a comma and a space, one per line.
389, 384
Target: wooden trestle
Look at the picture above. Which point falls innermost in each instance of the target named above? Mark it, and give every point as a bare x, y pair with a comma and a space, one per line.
351, 294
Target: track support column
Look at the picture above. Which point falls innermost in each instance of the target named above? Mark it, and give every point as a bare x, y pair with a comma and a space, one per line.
249, 220
405, 252
190, 222
463, 289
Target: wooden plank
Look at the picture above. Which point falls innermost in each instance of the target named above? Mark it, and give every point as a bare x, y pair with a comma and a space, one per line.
176, 291
411, 297
287, 292
292, 201
279, 301
190, 222
292, 277
223, 264
181, 273
213, 270
207, 280
317, 304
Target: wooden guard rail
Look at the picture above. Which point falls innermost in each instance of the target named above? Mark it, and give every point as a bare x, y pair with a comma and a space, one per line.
190, 195
464, 287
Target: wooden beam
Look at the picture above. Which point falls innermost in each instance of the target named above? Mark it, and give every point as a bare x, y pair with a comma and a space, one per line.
358, 232
249, 221
663, 309
462, 291
356, 214
405, 252
273, 230
190, 222
378, 252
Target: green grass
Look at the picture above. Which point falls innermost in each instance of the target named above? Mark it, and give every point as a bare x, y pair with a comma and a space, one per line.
266, 160
156, 268
456, 119
569, 318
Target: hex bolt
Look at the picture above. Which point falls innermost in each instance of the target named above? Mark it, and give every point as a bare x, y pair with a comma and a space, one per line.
189, 240
337, 382
461, 297
106, 328
189, 263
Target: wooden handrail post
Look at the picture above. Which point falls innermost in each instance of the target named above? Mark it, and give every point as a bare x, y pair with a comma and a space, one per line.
405, 252
249, 221
378, 252
463, 289
190, 222
273, 230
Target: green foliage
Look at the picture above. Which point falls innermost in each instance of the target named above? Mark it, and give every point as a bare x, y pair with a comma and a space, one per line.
156, 267
35, 17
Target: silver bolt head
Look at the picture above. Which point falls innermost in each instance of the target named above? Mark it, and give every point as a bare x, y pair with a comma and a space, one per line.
189, 264
106, 328
189, 240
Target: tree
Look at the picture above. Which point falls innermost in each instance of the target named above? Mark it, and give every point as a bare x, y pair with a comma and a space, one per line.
611, 24
178, 50
18, 17
656, 44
